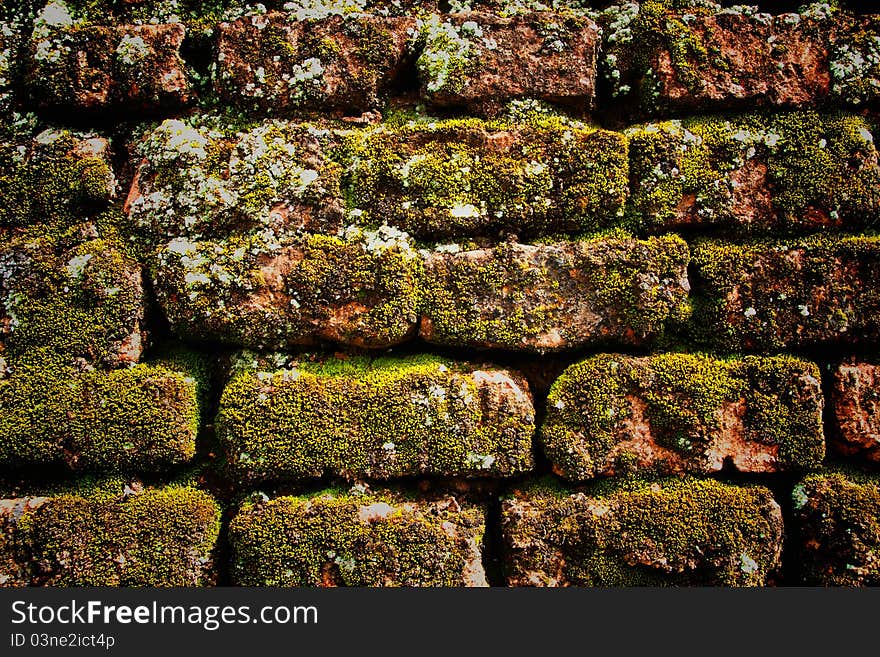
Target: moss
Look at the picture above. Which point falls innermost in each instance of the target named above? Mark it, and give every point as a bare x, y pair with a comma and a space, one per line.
84, 302
682, 399
772, 295
338, 538
594, 291
378, 418
758, 173
144, 418
52, 179
449, 179
155, 537
838, 514
666, 532
854, 61
261, 293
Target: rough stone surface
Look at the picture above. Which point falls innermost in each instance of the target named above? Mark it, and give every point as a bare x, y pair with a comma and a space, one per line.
197, 178
277, 65
670, 532
555, 296
55, 176
479, 61
856, 395
272, 294
117, 533
340, 538
76, 298
793, 172
376, 419
854, 61
680, 61
777, 295
838, 517
672, 413
93, 68
466, 178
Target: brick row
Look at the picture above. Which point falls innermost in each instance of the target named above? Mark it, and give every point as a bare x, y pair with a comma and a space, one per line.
680, 531
658, 58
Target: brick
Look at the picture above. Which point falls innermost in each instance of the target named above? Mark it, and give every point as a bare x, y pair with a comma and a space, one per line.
754, 174
196, 179
339, 538
464, 178
855, 393
555, 296
94, 68
57, 176
480, 61
669, 532
141, 419
259, 292
276, 64
674, 413
687, 60
838, 520
77, 297
779, 295
114, 533
379, 419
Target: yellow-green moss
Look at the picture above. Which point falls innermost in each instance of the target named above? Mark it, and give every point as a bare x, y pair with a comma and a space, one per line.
778, 294
380, 419
340, 538
144, 418
758, 173
838, 515
153, 537
683, 397
447, 179
45, 179
665, 532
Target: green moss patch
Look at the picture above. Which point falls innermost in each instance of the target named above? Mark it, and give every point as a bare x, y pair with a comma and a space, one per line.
464, 177
839, 519
130, 537
794, 172
555, 296
684, 412
343, 538
378, 419
667, 532
783, 294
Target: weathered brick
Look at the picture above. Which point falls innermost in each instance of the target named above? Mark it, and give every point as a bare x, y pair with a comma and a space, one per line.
259, 292
79, 299
480, 61
56, 176
669, 532
854, 61
793, 172
115, 533
344, 538
144, 418
199, 179
698, 59
464, 178
838, 517
277, 64
778, 295
89, 68
674, 413
856, 401
555, 296
378, 419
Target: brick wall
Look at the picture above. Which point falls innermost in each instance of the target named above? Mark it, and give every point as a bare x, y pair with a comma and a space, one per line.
343, 292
